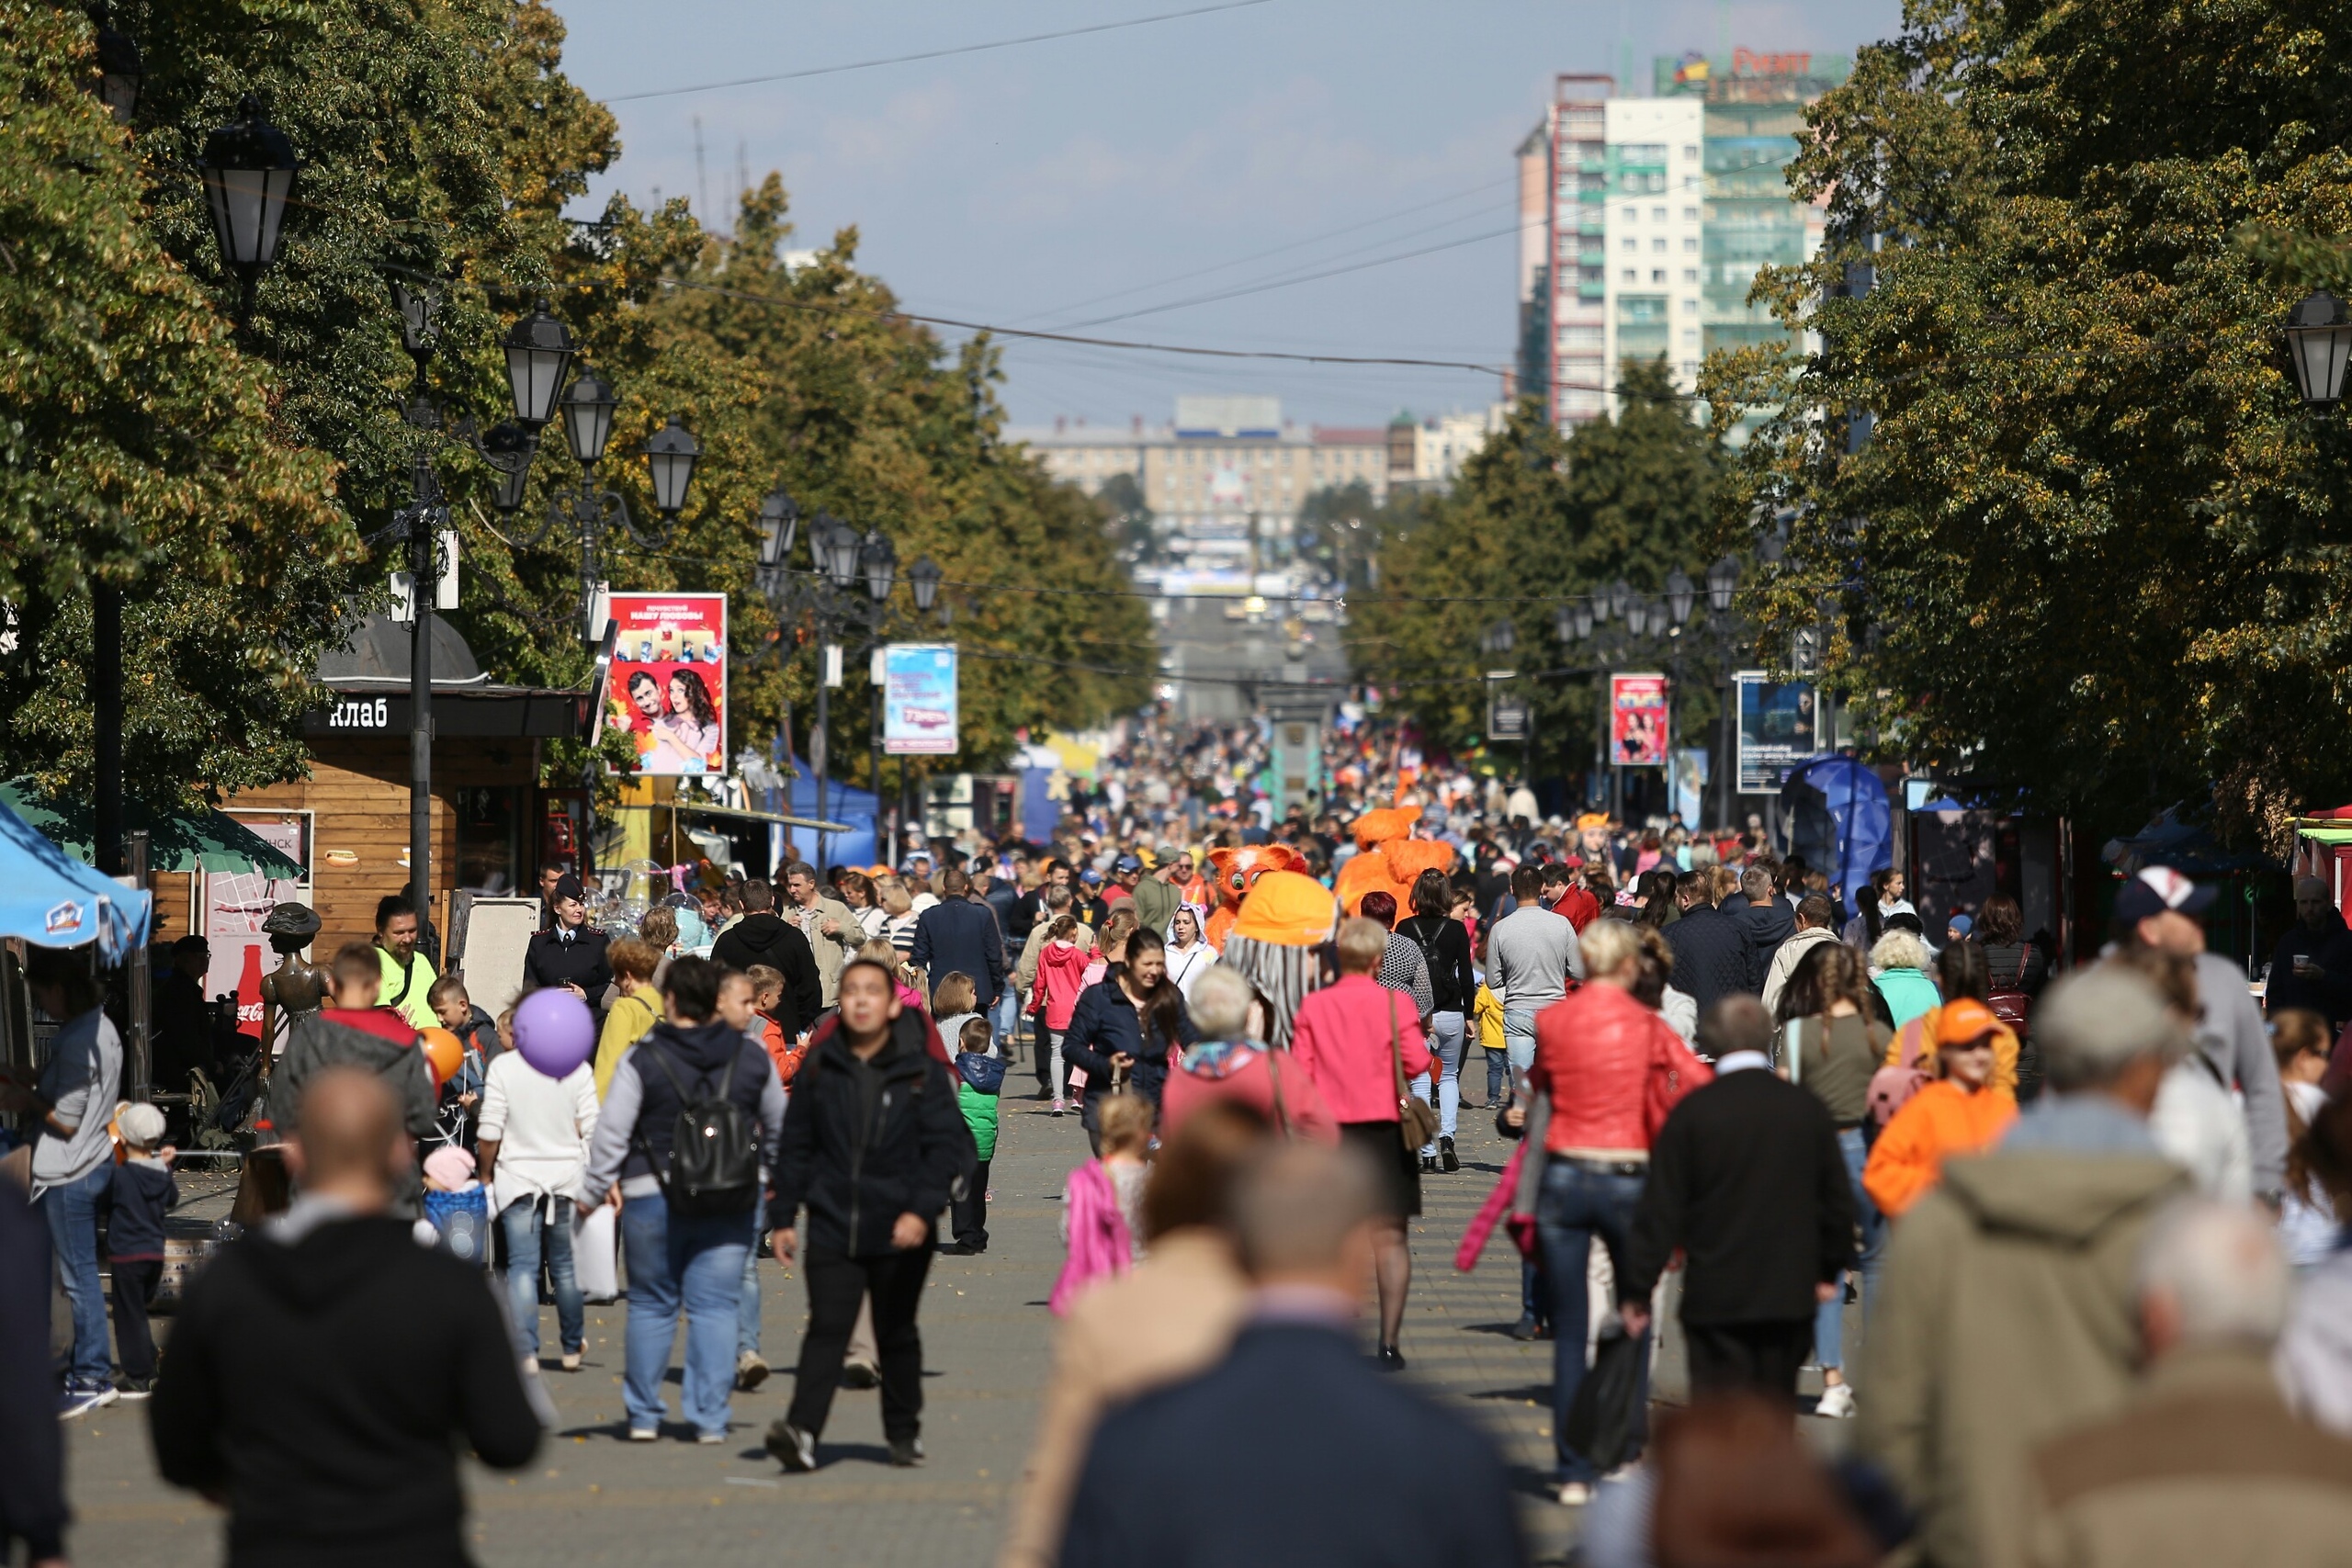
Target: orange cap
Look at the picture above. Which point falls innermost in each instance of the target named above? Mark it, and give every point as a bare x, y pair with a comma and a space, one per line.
1959, 1021
1288, 908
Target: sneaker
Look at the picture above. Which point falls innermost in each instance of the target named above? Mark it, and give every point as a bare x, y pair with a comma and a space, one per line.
710, 1436
1429, 1163
794, 1449
858, 1375
643, 1435
78, 1399
1526, 1328
1061, 1107
1836, 1402
1391, 1358
751, 1371
1575, 1494
906, 1452
135, 1388
572, 1360
1446, 1157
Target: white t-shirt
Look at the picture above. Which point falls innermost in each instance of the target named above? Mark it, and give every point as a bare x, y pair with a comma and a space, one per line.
542, 1126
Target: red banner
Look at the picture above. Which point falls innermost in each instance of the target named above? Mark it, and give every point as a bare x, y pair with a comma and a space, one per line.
1637, 716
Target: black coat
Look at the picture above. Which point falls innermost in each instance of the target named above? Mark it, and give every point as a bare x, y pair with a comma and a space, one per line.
551, 961
1747, 1178
1710, 955
770, 939
1764, 926
1445, 944
1294, 1453
855, 1175
328, 1389
1103, 1023
960, 936
32, 1479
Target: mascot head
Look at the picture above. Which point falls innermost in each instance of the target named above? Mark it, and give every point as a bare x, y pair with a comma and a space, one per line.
1379, 827
1232, 871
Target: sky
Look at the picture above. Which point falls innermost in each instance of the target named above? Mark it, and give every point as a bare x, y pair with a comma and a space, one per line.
1107, 184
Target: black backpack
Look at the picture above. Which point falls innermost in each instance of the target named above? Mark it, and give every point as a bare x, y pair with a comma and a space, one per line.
714, 1166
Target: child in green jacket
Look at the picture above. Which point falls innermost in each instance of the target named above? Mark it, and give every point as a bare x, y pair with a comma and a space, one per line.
980, 1076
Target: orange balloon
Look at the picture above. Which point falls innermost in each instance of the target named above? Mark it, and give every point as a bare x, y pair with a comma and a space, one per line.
443, 1052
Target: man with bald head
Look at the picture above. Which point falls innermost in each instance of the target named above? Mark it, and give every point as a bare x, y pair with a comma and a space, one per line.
322, 1364
2312, 965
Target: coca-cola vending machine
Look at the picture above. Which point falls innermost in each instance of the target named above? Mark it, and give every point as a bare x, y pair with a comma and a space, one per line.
235, 904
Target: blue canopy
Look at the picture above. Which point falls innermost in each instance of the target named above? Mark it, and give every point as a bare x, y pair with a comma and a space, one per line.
1840, 820
53, 900
843, 802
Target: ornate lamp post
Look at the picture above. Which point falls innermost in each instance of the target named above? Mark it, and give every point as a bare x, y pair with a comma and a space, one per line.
2318, 343
248, 170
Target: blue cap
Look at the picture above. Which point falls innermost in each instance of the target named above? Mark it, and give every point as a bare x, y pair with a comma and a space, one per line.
1126, 863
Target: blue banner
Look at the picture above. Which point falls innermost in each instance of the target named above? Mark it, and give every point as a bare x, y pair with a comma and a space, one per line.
918, 699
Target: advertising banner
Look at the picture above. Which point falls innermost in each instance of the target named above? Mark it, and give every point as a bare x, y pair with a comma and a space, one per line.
667, 682
1506, 714
1690, 784
235, 904
1777, 730
1637, 720
918, 700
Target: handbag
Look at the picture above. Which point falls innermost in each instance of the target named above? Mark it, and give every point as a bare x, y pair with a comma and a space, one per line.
1417, 1122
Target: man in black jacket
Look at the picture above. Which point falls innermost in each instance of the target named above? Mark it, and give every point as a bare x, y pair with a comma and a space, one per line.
1746, 1179
872, 1144
1294, 1451
763, 936
570, 952
322, 1364
1710, 950
960, 933
1767, 923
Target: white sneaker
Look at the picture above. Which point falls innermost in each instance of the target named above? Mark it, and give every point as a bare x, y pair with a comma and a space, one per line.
1836, 1402
1575, 1494
643, 1435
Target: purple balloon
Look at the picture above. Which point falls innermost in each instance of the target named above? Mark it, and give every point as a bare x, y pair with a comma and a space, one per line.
554, 1031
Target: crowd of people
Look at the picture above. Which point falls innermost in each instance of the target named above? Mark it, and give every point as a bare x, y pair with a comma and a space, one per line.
2068, 1247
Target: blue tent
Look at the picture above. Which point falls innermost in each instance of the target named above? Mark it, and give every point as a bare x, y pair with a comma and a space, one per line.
53, 900
843, 802
1840, 820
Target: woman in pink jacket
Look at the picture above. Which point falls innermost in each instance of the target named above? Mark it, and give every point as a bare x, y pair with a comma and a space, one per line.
1061, 975
1350, 1037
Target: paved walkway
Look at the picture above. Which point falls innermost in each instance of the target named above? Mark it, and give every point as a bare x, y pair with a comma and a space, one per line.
591, 1499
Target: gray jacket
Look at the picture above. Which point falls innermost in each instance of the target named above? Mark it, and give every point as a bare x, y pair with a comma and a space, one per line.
2230, 1033
317, 1043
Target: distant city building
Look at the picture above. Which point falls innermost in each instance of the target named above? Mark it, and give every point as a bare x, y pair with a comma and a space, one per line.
1226, 478
1661, 211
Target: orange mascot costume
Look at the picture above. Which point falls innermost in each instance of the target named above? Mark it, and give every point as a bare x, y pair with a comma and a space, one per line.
1387, 859
1232, 873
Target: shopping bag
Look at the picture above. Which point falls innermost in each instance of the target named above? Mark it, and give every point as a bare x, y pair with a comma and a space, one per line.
1606, 1421
595, 1252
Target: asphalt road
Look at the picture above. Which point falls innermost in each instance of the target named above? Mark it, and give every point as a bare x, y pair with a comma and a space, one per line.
591, 1499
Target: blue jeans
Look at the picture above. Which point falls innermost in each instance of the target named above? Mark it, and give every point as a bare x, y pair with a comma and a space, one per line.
1005, 1016
526, 1226
1498, 1075
747, 1302
1518, 1036
1446, 1048
1576, 1205
694, 1261
1534, 1290
72, 1212
1829, 1322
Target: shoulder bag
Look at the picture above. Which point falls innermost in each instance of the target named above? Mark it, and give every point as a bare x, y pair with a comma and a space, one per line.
1417, 1122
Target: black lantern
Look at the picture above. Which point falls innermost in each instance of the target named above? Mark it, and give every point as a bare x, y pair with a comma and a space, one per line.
1679, 593
670, 457
923, 578
878, 558
588, 405
2319, 341
836, 548
538, 351
779, 521
1564, 623
1502, 638
1637, 614
419, 307
1723, 578
509, 448
1621, 599
248, 172
119, 74
1581, 613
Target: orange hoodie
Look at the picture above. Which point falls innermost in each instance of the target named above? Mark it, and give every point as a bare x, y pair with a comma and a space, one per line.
1938, 1121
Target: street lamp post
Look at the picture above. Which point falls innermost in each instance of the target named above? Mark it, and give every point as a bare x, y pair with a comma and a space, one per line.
2318, 343
1722, 580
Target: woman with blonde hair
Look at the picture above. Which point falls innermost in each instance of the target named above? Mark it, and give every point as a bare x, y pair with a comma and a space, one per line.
1899, 971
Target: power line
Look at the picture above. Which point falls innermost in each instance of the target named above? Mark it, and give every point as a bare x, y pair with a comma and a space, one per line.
929, 53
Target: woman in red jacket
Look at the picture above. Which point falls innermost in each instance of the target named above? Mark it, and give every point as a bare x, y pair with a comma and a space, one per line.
1227, 1064
1610, 1069
1349, 1038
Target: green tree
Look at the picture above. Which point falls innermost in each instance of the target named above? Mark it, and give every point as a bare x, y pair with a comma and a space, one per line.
1127, 514
2091, 548
1536, 519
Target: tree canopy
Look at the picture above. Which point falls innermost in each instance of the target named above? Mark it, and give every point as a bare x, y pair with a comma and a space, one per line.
2052, 486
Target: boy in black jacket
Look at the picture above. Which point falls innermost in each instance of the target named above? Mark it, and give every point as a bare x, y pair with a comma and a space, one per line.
873, 1142
323, 1363
144, 1192
1745, 1178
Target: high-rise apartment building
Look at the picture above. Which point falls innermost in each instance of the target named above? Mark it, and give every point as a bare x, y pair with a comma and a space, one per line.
1659, 213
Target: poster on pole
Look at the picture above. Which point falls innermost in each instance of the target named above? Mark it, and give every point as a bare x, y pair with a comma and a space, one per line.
1506, 713
235, 904
918, 700
1637, 720
1778, 729
1690, 784
667, 682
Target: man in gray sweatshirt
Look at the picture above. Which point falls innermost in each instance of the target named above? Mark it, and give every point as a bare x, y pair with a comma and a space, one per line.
1531, 953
